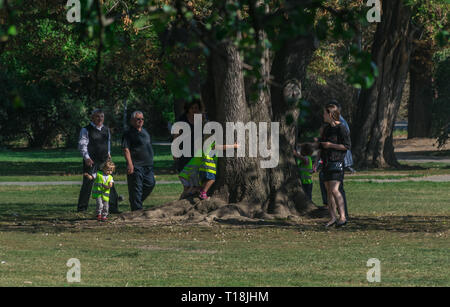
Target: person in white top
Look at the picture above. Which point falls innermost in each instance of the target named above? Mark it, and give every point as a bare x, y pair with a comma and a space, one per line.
95, 148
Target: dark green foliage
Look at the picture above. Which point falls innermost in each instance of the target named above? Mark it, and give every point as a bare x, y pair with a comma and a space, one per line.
149, 52
42, 76
51, 77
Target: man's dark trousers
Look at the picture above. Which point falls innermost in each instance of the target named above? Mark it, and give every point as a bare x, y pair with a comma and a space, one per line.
323, 190
140, 185
86, 189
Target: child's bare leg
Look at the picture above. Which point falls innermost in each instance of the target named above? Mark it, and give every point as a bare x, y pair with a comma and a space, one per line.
207, 185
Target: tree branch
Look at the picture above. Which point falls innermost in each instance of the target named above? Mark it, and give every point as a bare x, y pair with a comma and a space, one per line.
101, 34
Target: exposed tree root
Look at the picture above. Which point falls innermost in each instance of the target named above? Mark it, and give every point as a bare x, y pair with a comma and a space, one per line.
215, 210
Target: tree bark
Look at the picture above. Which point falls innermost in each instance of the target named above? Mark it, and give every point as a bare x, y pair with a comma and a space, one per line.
289, 72
421, 89
377, 107
275, 191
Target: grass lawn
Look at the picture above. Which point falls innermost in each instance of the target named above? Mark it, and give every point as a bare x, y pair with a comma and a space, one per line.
66, 165
66, 162
405, 225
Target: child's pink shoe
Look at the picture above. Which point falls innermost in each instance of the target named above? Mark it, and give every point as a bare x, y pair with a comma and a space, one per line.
99, 217
104, 219
203, 195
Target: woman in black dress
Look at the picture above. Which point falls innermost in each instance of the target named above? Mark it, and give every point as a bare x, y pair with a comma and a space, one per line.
333, 145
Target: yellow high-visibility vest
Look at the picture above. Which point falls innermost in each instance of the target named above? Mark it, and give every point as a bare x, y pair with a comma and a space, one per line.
191, 167
208, 163
98, 189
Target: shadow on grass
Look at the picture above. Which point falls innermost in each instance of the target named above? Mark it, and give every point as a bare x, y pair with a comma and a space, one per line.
35, 218
26, 212
401, 224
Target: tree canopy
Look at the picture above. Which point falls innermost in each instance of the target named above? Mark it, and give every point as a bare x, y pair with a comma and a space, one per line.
153, 55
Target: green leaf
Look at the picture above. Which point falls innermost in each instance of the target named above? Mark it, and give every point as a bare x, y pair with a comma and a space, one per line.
12, 31
139, 23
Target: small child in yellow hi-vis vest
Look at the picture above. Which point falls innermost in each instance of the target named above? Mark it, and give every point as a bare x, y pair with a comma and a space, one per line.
207, 170
101, 189
189, 176
200, 173
305, 165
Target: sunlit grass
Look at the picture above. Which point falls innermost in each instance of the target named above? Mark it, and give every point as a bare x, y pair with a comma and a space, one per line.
405, 225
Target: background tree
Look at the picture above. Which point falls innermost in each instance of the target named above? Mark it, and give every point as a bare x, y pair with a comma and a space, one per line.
441, 100
51, 78
378, 106
430, 18
421, 89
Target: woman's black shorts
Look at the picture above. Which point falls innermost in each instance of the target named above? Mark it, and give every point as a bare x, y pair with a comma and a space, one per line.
333, 176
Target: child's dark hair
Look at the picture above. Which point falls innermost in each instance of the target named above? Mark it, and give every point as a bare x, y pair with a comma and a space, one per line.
307, 149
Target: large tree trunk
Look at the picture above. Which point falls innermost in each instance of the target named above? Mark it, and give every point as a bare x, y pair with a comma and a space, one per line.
242, 180
289, 72
235, 98
377, 107
421, 89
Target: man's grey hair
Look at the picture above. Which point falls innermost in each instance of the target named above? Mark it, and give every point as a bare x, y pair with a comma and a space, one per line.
133, 115
95, 111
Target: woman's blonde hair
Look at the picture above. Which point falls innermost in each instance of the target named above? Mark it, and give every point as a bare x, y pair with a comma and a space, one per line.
333, 110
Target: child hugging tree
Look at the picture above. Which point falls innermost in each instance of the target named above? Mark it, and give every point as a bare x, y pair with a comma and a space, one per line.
207, 170
101, 189
305, 166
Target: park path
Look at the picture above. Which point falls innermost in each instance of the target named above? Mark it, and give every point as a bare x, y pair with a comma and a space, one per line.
414, 158
434, 178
